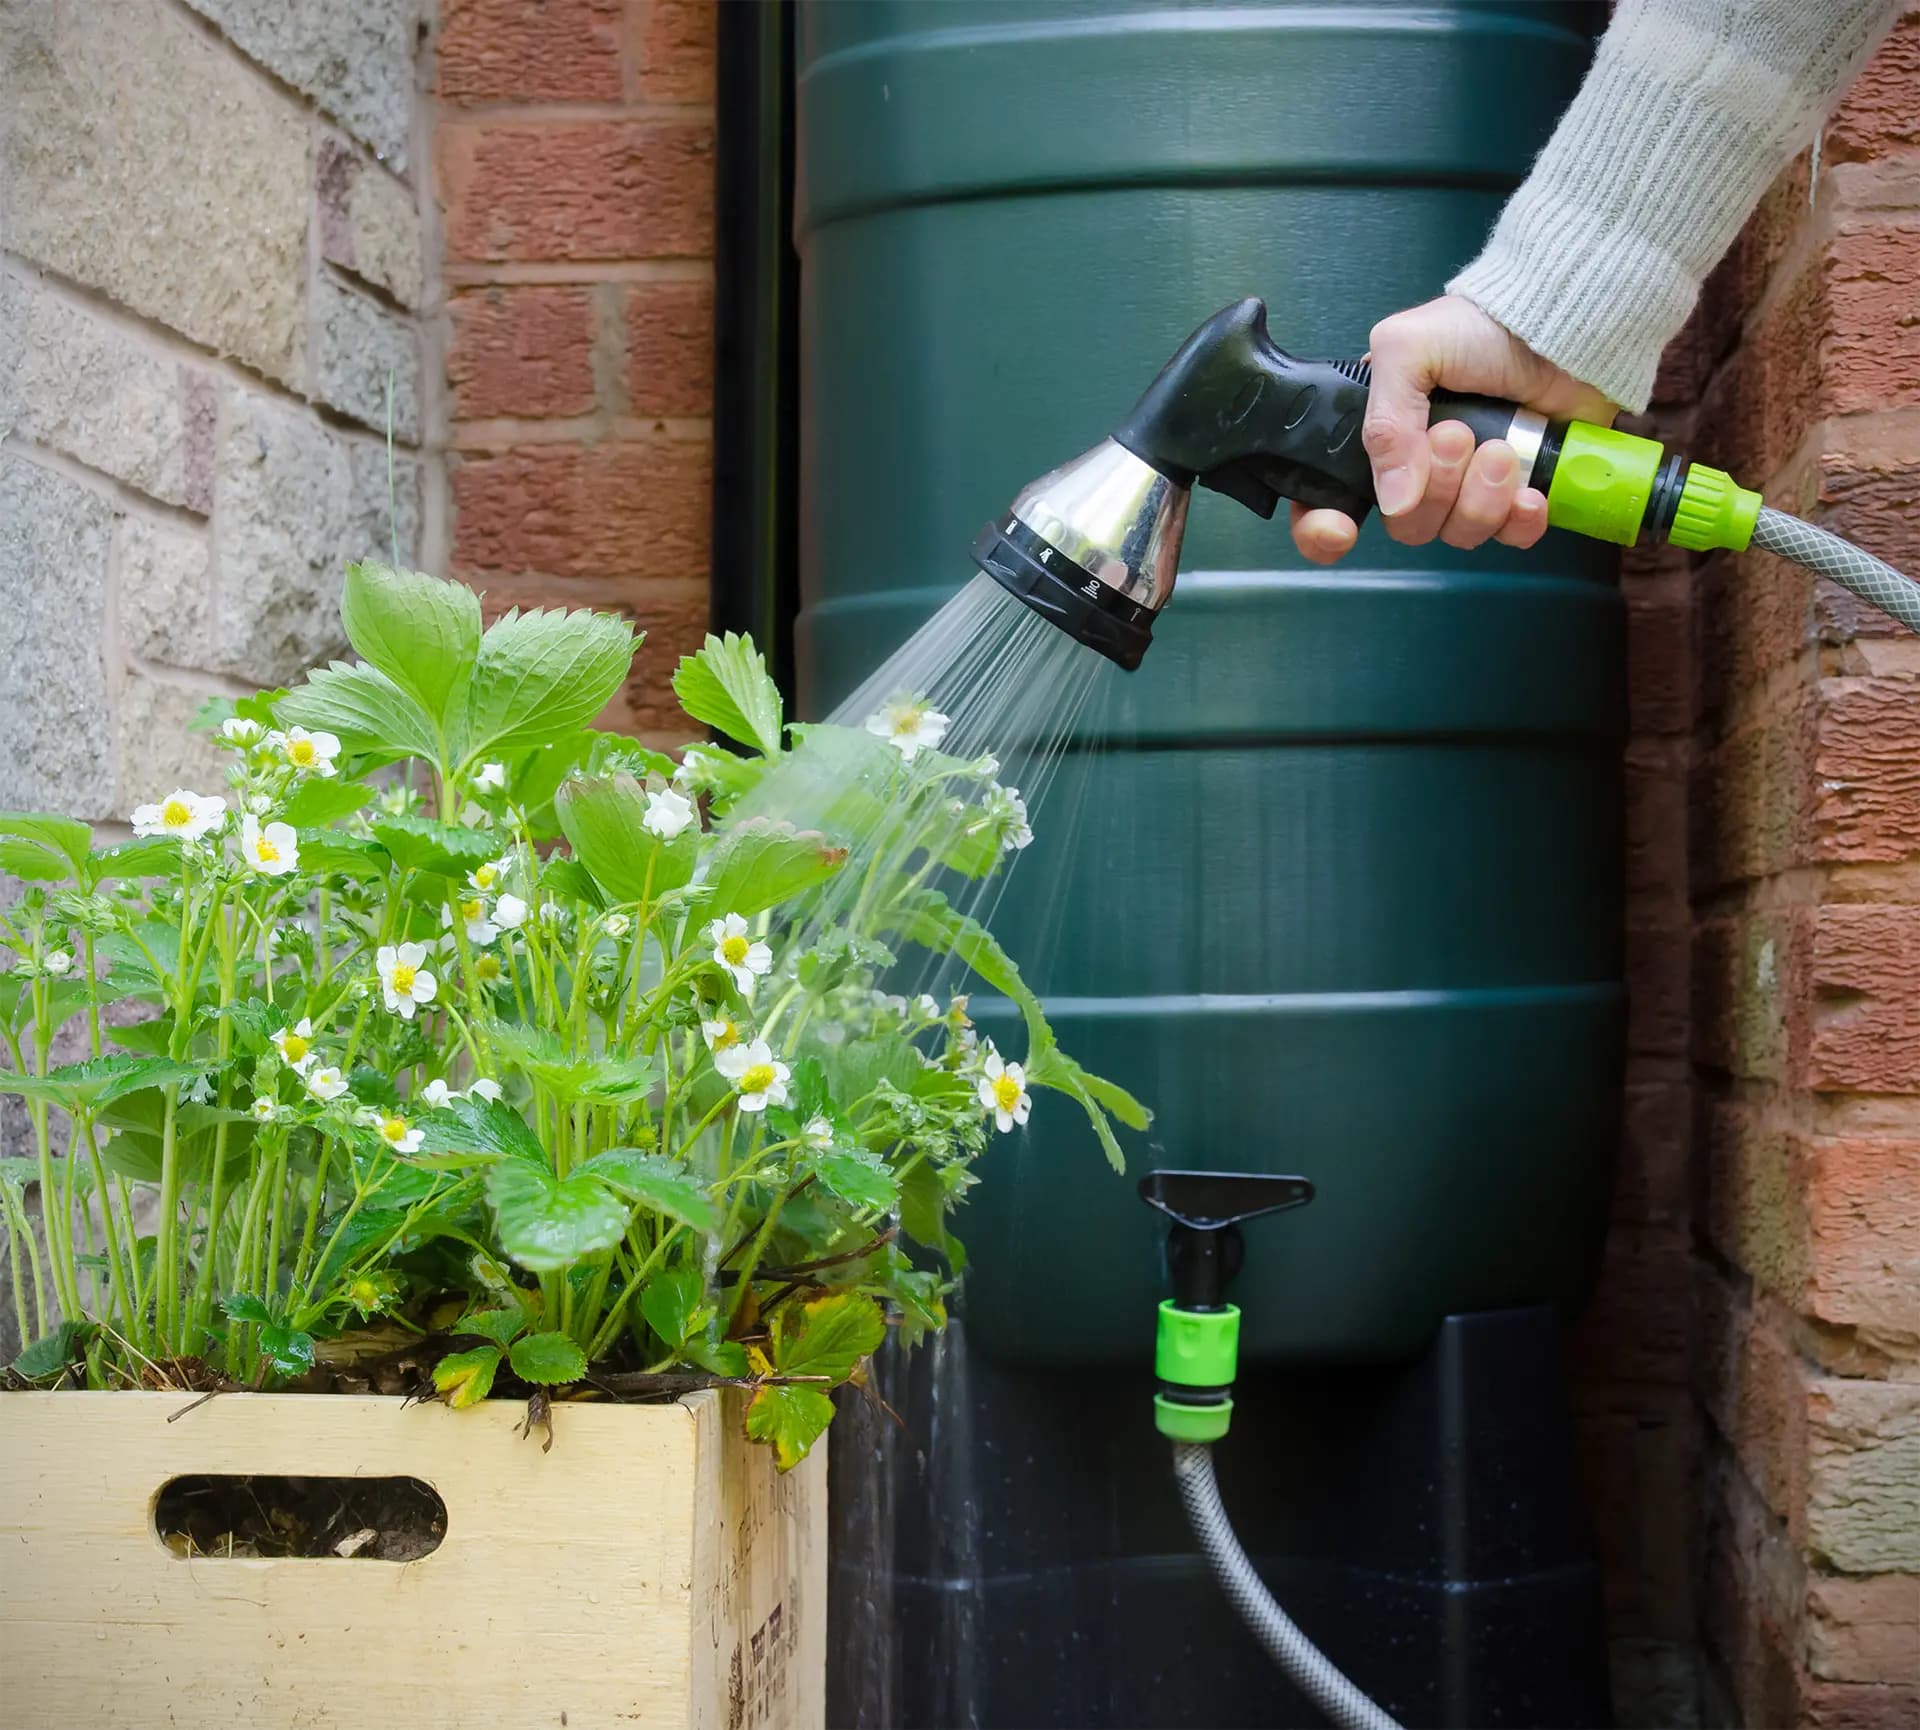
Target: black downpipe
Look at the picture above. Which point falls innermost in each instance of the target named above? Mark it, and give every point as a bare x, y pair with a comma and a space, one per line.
756, 313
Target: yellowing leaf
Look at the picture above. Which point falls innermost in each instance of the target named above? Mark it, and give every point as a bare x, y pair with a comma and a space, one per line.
465, 1378
791, 1418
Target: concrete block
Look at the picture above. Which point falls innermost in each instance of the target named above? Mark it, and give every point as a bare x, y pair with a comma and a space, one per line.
353, 57
76, 383
56, 733
369, 221
145, 162
357, 345
159, 747
163, 584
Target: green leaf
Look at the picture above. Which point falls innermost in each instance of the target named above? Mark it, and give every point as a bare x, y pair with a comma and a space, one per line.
657, 1182
243, 1308
149, 1038
424, 634
349, 855
672, 1304
726, 685
366, 709
447, 849
98, 1081
827, 1337
540, 675
52, 1354
791, 1418
569, 880
62, 835
601, 819
548, 1223
716, 1357
465, 1378
289, 1350
148, 856
18, 1172
1051, 1067
488, 1128
29, 860
502, 1327
317, 802
923, 1214
857, 1180
547, 1359
598, 1080
760, 863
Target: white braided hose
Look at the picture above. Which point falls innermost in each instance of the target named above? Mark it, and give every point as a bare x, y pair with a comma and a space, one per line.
1325, 1686
1873, 580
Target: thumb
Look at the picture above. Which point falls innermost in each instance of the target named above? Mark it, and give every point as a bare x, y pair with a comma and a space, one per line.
1395, 429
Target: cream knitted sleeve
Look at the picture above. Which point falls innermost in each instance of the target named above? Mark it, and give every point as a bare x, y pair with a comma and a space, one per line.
1689, 111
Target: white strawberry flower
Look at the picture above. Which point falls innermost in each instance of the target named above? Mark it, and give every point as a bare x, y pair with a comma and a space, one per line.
295, 1045
818, 1134
758, 1077
473, 919
616, 925
272, 851
1009, 810
404, 980
667, 814
490, 777
487, 876
263, 1110
510, 913
487, 968
437, 1094
737, 952
928, 1008
1003, 1091
238, 730
326, 1084
182, 814
56, 962
485, 1089
396, 1132
311, 753
722, 1032
909, 725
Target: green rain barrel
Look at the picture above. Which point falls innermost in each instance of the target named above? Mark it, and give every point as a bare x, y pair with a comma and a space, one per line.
1343, 897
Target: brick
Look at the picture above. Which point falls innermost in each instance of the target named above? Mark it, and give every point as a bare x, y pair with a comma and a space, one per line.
1637, 1453
1753, 797
163, 581
110, 141
1863, 1226
1753, 1590
670, 348
616, 510
369, 221
1876, 507
1852, 1706
521, 352
562, 191
1756, 1198
1746, 972
1866, 771
1863, 1001
1659, 662
1879, 116
56, 738
298, 501
1650, 1178
508, 51
676, 50
159, 747
1635, 1328
77, 384
1862, 1516
1656, 821
1864, 1630
358, 349
1754, 616
1658, 982
353, 57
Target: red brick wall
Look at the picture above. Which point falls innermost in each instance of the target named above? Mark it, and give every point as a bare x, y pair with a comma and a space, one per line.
1749, 1382
574, 160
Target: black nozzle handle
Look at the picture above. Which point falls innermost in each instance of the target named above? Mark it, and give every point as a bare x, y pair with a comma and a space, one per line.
1235, 413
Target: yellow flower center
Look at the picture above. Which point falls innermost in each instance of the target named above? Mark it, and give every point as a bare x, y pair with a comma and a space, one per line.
175, 814
487, 968
394, 1129
293, 1047
300, 753
757, 1079
363, 1293
266, 852
485, 876
729, 1034
1006, 1092
471, 910
905, 722
402, 979
733, 950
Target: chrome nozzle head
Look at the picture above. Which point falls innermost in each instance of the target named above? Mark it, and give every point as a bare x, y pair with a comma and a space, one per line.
1092, 547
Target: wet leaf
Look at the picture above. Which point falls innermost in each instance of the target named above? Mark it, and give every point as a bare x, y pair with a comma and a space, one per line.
725, 683
828, 1336
447, 849
656, 1182
548, 1359
791, 1418
673, 1303
53, 1353
858, 1180
547, 1223
602, 819
759, 864
488, 1129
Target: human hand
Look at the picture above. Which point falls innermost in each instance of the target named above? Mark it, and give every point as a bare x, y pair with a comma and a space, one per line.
1430, 481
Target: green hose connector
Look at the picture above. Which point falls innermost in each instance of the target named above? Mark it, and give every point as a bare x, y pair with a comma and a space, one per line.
1602, 482
1714, 511
1197, 1349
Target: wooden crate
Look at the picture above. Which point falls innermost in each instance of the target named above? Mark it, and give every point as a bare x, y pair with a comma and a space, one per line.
653, 1570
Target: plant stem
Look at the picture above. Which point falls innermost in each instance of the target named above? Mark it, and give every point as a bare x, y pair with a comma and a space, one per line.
16, 1226
121, 1289
165, 1297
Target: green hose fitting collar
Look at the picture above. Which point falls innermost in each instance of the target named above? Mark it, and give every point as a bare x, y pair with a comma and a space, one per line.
1602, 482
1197, 1350
1180, 1422
1714, 511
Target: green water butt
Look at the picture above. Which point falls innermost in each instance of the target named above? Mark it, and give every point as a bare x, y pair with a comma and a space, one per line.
1341, 897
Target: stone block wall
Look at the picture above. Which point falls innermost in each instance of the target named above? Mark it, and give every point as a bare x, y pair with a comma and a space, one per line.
574, 159
216, 256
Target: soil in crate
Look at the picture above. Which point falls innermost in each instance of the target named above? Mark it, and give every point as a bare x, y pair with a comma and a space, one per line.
375, 1519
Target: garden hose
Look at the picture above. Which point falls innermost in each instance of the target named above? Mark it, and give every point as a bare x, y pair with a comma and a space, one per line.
1311, 1670
1827, 555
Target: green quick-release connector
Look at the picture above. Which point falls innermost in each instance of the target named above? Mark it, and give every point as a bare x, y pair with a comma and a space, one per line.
1602, 482
1714, 511
1198, 1349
